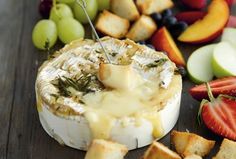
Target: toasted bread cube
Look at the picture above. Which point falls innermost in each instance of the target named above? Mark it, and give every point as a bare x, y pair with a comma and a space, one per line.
102, 149
125, 9
193, 157
151, 6
187, 144
159, 151
112, 25
179, 140
142, 29
198, 145
227, 150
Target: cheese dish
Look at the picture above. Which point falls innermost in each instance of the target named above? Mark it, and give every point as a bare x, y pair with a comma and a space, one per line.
132, 100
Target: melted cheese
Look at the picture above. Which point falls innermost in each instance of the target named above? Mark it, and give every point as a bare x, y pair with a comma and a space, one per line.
134, 87
122, 77
128, 98
100, 123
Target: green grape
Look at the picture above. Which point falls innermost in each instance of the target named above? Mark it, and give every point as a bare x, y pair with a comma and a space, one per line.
103, 4
70, 29
91, 7
44, 34
60, 11
70, 3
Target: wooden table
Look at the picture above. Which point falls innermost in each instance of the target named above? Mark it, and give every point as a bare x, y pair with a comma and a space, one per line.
22, 136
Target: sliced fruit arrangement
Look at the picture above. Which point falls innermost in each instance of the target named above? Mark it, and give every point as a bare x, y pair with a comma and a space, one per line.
217, 60
224, 60
225, 86
219, 114
210, 26
229, 35
162, 40
202, 72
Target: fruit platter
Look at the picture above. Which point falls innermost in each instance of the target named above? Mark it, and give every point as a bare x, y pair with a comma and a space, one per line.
127, 79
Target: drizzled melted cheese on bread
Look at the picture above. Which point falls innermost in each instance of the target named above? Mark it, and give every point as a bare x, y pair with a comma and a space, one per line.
133, 83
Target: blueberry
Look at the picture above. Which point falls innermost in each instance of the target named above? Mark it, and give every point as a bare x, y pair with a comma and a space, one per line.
141, 42
169, 21
150, 46
178, 28
182, 71
166, 13
157, 17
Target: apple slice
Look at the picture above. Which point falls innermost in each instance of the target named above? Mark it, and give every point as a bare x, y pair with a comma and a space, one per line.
210, 26
163, 41
199, 64
229, 35
224, 60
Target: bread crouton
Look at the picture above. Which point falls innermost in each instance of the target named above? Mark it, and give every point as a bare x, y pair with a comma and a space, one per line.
198, 145
151, 6
112, 25
188, 144
125, 9
193, 157
179, 140
159, 151
227, 150
142, 29
102, 149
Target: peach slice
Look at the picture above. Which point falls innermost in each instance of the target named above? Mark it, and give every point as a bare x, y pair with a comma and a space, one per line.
210, 26
163, 41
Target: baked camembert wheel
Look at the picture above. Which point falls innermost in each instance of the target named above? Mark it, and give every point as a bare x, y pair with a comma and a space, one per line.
133, 100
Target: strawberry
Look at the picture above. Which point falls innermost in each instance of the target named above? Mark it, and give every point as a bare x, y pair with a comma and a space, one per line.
190, 16
219, 114
225, 85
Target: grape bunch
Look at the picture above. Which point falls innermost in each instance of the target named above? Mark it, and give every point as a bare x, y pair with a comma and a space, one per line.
63, 19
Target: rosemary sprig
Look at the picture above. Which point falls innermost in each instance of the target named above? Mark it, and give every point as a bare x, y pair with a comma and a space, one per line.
113, 54
81, 84
156, 63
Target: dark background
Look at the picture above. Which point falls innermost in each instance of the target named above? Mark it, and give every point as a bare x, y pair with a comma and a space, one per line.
21, 135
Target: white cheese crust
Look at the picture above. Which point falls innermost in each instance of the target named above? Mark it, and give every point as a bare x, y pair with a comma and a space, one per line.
76, 133
134, 115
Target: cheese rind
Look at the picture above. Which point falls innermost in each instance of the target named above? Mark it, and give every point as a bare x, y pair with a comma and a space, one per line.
75, 131
131, 113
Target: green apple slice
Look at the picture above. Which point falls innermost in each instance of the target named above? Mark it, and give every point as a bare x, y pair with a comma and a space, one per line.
229, 35
224, 60
199, 64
